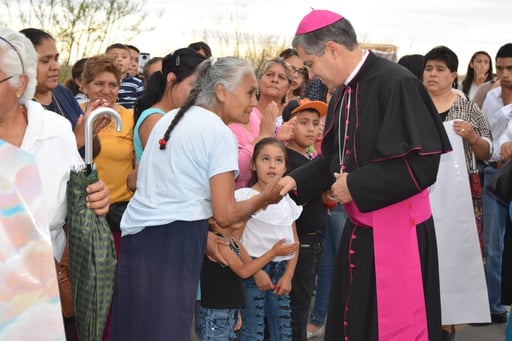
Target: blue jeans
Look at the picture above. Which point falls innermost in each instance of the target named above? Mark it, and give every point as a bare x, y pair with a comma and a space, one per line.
217, 324
265, 304
334, 224
495, 219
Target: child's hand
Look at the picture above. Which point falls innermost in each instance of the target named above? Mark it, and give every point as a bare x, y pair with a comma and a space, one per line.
283, 286
238, 324
212, 250
283, 248
287, 130
263, 281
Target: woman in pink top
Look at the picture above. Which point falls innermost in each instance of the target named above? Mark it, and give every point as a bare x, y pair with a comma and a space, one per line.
274, 80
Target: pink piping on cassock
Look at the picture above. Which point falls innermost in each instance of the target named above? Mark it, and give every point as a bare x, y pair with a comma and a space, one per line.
411, 174
435, 152
351, 269
401, 312
329, 128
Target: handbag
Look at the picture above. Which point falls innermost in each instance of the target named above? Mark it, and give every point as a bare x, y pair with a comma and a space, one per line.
476, 195
64, 281
474, 181
114, 215
501, 183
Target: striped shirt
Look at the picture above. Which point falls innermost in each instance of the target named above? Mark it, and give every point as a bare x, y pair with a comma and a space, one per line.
130, 90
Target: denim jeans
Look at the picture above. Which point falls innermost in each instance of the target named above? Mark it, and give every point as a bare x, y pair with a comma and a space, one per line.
334, 224
494, 217
217, 324
265, 304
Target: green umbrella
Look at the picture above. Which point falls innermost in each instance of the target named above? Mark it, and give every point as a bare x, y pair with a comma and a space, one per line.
91, 245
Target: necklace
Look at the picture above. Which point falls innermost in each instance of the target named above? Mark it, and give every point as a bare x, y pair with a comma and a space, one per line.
54, 99
342, 149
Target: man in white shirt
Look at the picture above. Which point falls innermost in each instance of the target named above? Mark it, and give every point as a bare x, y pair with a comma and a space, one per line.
497, 108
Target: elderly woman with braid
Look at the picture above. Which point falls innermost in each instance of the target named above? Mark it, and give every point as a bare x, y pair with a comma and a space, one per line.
186, 175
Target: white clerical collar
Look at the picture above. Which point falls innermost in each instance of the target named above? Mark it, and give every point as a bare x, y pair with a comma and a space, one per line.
358, 67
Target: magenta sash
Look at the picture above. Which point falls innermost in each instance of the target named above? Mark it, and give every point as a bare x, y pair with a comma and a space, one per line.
401, 312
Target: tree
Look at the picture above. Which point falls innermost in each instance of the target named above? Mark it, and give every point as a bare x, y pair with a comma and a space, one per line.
255, 48
226, 32
80, 27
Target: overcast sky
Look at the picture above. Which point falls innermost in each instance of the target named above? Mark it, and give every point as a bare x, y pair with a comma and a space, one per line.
465, 26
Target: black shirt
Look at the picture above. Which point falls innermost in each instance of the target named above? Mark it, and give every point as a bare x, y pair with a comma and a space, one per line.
221, 288
312, 218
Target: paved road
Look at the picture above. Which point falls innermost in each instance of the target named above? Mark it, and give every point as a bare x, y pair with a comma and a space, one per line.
493, 332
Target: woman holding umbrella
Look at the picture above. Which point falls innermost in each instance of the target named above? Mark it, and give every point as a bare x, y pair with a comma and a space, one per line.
186, 175
48, 136
101, 81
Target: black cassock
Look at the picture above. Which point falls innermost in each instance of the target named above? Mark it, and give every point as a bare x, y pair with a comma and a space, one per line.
392, 146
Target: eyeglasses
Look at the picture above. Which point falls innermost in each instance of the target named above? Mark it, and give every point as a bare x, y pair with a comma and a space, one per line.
15, 50
5, 79
302, 71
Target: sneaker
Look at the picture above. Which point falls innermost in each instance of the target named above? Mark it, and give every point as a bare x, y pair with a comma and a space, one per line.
317, 333
499, 318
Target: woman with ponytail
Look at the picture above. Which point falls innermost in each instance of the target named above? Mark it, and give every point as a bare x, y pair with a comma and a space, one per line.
165, 90
187, 175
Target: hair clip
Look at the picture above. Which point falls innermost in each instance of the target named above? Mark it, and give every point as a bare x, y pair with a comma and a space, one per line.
177, 60
162, 143
213, 60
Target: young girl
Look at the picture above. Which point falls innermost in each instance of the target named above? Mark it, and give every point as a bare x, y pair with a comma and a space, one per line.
222, 292
267, 293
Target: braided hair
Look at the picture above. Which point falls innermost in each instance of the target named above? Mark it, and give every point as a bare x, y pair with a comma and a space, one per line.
228, 71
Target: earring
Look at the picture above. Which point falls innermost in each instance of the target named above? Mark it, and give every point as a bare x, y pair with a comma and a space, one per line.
18, 95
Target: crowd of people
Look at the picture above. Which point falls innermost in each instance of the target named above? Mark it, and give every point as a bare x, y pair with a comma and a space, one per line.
250, 191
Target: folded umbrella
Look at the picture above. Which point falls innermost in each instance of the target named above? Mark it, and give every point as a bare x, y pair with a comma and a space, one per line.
91, 245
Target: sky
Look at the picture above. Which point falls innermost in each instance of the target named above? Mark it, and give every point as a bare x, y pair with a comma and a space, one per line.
465, 26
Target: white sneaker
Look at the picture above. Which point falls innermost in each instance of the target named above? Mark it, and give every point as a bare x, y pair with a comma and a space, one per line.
317, 333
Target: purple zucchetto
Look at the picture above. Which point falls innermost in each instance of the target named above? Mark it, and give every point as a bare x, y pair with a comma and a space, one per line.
317, 19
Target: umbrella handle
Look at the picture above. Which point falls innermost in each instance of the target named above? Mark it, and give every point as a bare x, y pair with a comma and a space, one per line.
89, 121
